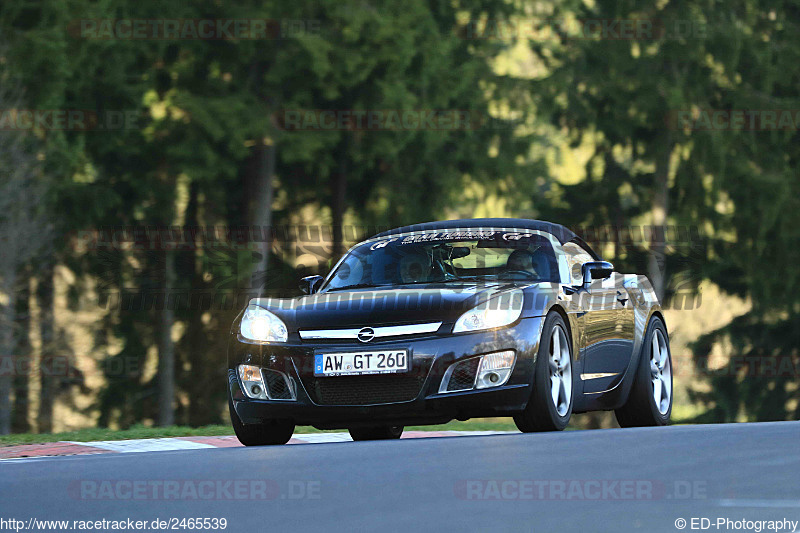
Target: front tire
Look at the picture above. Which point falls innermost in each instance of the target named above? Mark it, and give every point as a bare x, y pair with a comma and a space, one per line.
270, 432
650, 400
550, 405
376, 433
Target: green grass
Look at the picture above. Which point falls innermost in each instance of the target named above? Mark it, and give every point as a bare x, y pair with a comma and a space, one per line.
679, 413
682, 414
143, 432
134, 432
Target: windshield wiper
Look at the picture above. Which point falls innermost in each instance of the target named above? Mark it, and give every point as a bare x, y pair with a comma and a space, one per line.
428, 282
510, 275
358, 286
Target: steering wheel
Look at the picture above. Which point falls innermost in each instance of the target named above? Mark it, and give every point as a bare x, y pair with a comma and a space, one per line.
521, 272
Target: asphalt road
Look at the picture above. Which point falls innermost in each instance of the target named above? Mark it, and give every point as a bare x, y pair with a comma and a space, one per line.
602, 480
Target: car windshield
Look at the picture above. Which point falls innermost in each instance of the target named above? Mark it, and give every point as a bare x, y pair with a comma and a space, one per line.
440, 257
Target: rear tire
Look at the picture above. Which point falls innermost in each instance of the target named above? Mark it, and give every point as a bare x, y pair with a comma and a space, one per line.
550, 405
376, 433
269, 432
653, 371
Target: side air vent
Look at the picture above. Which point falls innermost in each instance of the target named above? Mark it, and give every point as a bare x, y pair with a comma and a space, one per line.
460, 376
278, 385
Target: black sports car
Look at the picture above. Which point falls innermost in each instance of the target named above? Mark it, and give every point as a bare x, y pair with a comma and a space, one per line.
452, 320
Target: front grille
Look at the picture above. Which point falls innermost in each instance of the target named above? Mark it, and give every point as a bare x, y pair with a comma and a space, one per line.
276, 385
463, 375
364, 390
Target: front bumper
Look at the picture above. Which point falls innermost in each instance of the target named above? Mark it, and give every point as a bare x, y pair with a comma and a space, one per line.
431, 355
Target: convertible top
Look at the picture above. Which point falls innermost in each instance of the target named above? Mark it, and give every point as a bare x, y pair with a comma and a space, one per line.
562, 234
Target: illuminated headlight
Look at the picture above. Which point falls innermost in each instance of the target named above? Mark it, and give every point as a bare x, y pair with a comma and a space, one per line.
494, 313
258, 324
252, 382
495, 369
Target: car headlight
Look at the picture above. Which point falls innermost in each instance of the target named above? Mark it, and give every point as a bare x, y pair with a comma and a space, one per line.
494, 313
258, 324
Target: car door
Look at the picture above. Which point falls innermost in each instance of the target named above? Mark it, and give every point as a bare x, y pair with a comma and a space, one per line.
626, 329
603, 336
606, 320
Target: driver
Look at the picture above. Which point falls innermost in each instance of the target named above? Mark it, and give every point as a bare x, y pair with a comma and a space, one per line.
521, 260
414, 268
536, 262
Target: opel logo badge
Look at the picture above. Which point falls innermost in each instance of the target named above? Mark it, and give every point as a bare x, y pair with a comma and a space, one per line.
366, 334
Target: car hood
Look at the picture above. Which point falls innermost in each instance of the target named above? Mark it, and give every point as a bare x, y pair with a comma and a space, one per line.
409, 304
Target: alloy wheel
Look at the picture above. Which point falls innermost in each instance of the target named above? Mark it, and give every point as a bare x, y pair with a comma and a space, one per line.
560, 371
661, 372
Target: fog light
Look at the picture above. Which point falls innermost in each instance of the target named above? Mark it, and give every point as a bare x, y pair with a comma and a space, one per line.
253, 383
495, 369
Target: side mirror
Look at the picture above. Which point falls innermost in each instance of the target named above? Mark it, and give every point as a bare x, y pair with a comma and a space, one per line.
311, 284
596, 270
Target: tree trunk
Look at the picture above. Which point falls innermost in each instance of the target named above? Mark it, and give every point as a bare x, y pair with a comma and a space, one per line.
166, 347
263, 170
195, 344
47, 332
657, 267
7, 351
338, 203
19, 421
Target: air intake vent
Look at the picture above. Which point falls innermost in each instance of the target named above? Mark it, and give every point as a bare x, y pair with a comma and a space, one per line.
462, 376
278, 387
364, 390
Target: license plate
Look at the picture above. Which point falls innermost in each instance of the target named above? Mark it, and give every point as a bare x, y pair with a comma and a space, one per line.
360, 363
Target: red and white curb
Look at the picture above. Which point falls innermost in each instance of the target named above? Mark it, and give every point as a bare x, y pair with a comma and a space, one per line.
25, 451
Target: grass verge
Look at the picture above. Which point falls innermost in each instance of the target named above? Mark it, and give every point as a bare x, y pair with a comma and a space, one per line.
144, 432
